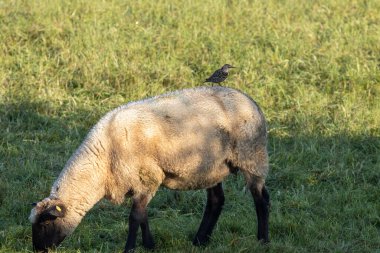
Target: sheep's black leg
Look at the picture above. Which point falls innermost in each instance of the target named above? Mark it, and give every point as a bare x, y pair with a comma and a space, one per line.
215, 201
138, 217
134, 223
147, 238
262, 203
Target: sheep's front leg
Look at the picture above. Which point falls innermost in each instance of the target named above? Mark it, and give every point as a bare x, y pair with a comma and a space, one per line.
215, 201
262, 203
139, 217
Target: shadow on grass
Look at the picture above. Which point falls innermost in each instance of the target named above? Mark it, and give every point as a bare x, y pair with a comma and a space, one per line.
311, 176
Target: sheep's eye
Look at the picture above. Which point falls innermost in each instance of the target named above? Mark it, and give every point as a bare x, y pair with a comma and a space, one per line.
46, 222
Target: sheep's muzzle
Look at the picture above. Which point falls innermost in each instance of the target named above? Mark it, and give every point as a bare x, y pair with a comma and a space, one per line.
46, 236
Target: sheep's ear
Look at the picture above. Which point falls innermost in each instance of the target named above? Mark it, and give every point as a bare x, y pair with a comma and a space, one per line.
52, 213
56, 211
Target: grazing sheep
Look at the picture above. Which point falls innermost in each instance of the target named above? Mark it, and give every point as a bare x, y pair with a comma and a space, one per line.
188, 139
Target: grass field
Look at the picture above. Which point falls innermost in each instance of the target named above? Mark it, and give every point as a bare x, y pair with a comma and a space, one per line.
313, 66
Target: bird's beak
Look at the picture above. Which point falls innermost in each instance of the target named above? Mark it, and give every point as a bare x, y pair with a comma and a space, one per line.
232, 67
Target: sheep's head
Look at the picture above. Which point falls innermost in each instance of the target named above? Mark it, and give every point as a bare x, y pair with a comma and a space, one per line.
48, 227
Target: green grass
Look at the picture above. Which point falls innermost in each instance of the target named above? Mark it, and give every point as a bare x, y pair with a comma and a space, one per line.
313, 66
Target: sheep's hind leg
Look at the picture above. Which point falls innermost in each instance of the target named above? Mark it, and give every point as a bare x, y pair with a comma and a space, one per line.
139, 217
261, 198
215, 201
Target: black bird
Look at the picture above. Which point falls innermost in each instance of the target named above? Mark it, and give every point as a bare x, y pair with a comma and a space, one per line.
219, 75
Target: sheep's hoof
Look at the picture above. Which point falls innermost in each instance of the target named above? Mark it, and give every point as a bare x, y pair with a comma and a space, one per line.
200, 241
264, 241
129, 250
149, 245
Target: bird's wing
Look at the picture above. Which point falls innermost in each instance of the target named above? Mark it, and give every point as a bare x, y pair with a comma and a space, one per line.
217, 75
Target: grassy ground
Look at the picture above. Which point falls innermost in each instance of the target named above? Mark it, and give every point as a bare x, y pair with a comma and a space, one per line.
313, 66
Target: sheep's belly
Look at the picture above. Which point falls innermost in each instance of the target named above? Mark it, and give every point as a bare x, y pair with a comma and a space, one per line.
197, 179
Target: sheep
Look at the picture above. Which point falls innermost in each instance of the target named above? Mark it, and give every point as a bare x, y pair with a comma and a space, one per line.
183, 140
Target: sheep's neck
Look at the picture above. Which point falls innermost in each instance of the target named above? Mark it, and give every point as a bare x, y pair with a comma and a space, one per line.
82, 182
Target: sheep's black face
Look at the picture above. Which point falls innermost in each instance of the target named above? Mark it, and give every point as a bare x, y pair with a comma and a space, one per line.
47, 231
46, 235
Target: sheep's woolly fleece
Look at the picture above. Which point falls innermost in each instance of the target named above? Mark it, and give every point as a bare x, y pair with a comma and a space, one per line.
181, 140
